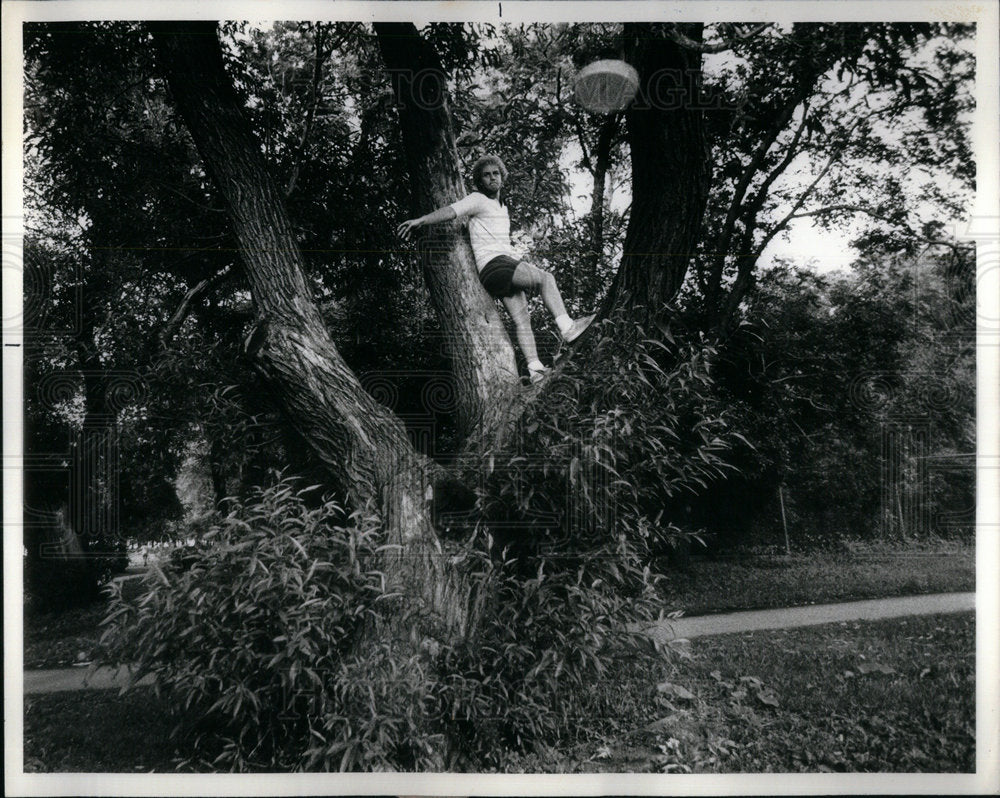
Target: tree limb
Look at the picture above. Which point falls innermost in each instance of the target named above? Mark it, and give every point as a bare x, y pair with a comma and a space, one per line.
670, 178
203, 287
747, 261
834, 156
700, 47
583, 145
749, 214
317, 75
605, 141
186, 198
769, 236
362, 445
736, 204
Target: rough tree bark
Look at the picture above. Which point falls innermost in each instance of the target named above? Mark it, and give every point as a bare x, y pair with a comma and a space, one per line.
670, 170
363, 446
482, 356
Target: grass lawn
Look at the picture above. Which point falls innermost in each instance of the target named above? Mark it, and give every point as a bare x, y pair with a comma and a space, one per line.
819, 577
887, 696
57, 640
60, 639
895, 695
97, 731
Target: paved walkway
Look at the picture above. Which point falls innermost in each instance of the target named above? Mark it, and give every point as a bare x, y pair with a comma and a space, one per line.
57, 680
814, 614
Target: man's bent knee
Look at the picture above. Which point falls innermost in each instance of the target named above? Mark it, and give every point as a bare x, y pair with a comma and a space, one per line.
538, 278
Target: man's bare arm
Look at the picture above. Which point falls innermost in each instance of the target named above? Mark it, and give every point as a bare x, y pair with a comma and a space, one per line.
445, 214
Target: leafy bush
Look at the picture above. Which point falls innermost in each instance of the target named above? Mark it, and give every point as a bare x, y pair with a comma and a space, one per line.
572, 528
270, 638
531, 677
617, 445
254, 639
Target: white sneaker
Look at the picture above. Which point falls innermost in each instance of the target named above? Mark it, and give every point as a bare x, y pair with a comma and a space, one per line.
575, 330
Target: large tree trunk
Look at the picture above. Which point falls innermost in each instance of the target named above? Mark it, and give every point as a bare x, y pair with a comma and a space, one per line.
483, 358
363, 446
670, 170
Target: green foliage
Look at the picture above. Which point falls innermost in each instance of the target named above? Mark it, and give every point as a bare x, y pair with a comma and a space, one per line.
570, 532
255, 634
857, 391
554, 624
629, 430
861, 105
616, 443
112, 179
251, 631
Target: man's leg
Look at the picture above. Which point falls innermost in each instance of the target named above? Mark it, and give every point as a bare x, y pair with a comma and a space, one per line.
517, 307
531, 278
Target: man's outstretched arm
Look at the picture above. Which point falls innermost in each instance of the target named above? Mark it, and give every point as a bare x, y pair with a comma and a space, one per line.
445, 214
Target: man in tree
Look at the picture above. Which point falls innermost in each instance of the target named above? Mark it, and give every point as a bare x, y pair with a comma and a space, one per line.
503, 274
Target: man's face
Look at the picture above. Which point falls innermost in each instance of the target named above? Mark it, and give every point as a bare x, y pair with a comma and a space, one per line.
491, 179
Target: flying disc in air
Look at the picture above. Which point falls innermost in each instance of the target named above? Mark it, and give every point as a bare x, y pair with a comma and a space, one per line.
606, 86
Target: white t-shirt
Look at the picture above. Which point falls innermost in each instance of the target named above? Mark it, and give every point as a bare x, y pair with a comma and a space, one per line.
489, 227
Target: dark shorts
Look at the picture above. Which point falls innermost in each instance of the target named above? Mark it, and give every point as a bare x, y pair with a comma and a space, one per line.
497, 274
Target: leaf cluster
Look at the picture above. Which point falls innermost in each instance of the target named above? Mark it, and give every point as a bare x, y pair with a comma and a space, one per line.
277, 641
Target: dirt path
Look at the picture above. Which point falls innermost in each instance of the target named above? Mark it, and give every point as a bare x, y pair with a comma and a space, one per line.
57, 680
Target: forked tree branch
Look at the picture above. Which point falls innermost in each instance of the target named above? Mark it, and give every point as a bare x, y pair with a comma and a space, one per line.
769, 236
750, 212
747, 261
752, 169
